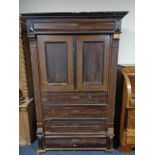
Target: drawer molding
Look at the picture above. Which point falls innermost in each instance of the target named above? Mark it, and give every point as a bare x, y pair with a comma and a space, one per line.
75, 127
75, 98
75, 112
86, 118
77, 133
78, 141
75, 105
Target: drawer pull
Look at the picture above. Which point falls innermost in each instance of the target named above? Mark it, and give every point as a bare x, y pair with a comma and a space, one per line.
75, 97
74, 145
75, 111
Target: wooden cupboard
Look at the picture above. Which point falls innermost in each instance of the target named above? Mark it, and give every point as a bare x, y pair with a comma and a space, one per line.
74, 63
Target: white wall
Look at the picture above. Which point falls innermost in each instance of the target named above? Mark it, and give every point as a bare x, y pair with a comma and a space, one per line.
127, 42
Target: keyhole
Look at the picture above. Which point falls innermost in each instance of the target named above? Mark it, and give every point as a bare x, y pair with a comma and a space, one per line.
74, 145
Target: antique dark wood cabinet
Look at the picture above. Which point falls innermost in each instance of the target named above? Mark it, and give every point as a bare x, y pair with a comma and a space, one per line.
74, 63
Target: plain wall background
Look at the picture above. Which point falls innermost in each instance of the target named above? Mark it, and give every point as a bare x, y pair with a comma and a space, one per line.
127, 41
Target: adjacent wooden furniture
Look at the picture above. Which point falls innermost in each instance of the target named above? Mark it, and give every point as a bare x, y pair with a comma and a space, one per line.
27, 120
126, 79
74, 63
27, 123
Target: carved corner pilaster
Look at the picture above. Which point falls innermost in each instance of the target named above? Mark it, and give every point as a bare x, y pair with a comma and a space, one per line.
110, 135
40, 136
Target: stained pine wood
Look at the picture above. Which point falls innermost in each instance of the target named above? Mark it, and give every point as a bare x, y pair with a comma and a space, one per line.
127, 112
27, 123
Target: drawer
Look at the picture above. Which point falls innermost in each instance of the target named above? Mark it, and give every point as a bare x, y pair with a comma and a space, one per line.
51, 25
75, 112
98, 25
75, 142
72, 25
50, 99
75, 126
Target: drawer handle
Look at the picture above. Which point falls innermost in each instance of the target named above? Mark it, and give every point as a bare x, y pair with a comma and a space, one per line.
75, 97
75, 111
74, 145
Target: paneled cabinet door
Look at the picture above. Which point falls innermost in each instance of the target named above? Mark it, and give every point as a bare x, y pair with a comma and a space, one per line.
55, 62
92, 62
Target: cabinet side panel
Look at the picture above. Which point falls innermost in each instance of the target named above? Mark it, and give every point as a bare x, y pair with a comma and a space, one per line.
35, 70
113, 78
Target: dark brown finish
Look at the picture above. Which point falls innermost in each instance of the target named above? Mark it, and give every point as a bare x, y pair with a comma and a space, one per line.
75, 126
75, 112
75, 98
126, 89
74, 57
67, 22
76, 142
71, 25
92, 62
112, 80
56, 62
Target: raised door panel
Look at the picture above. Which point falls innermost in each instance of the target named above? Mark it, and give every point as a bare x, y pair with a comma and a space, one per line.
56, 62
92, 62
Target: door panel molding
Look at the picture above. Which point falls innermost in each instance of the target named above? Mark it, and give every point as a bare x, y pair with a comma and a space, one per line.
60, 68
97, 62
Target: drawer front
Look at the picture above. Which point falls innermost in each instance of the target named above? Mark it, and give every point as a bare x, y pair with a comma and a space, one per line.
75, 112
90, 25
72, 25
75, 126
50, 99
79, 142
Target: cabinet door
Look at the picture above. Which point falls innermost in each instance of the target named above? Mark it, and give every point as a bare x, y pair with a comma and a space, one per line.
55, 62
92, 62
